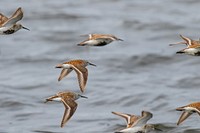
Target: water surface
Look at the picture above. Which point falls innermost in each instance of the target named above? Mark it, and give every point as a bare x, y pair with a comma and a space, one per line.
140, 73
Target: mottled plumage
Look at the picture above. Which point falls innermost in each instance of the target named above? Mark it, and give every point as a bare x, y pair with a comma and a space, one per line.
130, 119
188, 110
99, 40
68, 100
140, 125
193, 46
9, 25
79, 66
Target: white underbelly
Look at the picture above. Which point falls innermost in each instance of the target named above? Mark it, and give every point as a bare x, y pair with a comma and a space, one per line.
132, 130
192, 51
3, 30
67, 66
58, 99
92, 42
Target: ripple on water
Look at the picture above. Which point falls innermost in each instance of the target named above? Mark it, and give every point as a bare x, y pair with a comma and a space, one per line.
44, 131
13, 105
129, 78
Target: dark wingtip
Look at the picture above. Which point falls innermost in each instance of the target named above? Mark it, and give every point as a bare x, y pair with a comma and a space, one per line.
81, 44
171, 44
62, 125
179, 52
179, 109
58, 66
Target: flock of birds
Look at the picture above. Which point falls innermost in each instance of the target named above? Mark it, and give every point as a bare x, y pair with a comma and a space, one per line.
135, 124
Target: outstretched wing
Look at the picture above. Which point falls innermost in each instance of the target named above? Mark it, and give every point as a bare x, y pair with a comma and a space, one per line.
82, 74
184, 116
70, 108
130, 119
18, 15
64, 73
3, 19
143, 119
126, 116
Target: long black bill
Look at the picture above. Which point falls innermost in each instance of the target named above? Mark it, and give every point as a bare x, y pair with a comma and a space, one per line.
120, 39
25, 28
91, 64
83, 96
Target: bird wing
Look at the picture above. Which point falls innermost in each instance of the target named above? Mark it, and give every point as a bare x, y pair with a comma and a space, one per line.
51, 98
86, 35
64, 73
70, 108
3, 19
177, 43
108, 36
143, 119
140, 122
126, 116
180, 108
184, 116
188, 40
82, 74
83, 42
18, 15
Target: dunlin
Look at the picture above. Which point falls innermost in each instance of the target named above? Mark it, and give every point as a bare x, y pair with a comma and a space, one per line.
140, 125
188, 110
9, 25
68, 99
130, 119
99, 40
193, 46
79, 66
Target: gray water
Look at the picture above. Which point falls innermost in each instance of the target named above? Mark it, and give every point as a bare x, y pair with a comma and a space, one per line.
140, 73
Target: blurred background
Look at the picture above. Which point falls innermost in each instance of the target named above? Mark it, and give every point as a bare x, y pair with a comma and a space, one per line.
141, 73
